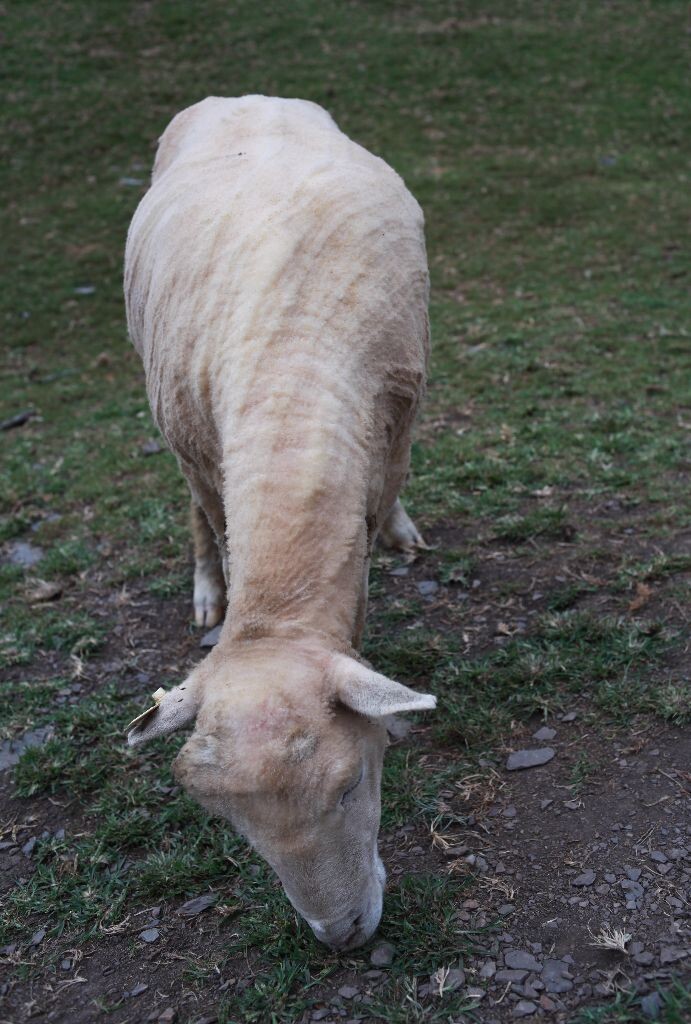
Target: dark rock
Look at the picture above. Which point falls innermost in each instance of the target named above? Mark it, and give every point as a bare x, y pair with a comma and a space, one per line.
670, 954
658, 856
544, 734
651, 1005
519, 959
523, 1008
513, 975
149, 935
644, 959
382, 955
587, 878
554, 976
193, 907
427, 587
136, 990
12, 750
348, 991
488, 969
38, 937
632, 873
529, 758
20, 552
210, 639
151, 447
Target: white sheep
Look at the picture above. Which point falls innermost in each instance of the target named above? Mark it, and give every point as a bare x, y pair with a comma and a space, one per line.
276, 285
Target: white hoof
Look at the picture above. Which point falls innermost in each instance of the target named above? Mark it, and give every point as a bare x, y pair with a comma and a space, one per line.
209, 601
400, 532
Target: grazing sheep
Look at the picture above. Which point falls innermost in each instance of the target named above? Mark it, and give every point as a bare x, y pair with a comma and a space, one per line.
276, 286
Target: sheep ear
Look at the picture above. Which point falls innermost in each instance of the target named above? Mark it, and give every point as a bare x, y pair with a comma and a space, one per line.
372, 694
173, 709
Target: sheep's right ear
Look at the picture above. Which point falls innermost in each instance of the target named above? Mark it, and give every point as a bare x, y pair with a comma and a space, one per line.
173, 710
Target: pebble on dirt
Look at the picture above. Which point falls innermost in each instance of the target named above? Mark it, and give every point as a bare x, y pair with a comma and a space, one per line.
528, 758
382, 955
587, 878
150, 935
21, 553
200, 903
544, 734
210, 639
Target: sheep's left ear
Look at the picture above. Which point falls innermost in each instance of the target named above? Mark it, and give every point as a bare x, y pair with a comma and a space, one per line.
173, 710
372, 694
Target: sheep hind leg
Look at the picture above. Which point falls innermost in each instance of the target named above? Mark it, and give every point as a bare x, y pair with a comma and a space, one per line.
209, 580
398, 531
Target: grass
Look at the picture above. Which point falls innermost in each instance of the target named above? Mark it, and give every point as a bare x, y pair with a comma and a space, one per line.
546, 143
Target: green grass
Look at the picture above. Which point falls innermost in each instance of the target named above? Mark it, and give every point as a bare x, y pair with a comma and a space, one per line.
547, 145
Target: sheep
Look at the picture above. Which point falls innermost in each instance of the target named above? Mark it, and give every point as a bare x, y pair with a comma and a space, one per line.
276, 286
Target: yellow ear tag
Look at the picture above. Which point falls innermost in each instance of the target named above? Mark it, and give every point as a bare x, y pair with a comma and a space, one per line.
140, 719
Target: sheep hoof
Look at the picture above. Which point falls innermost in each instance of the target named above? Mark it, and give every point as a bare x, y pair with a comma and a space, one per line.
400, 532
209, 602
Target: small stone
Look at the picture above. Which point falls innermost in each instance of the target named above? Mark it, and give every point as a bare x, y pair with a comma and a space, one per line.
195, 906
38, 937
211, 638
529, 758
168, 1016
553, 975
524, 1008
632, 873
348, 991
510, 811
382, 955
66, 964
609, 877
570, 716
670, 954
602, 890
505, 909
520, 959
651, 1005
84, 289
427, 587
545, 734
644, 959
136, 991
28, 847
149, 935
658, 856
488, 969
587, 878
664, 869
454, 979
547, 1004
151, 447
633, 890
513, 975
544, 804
475, 992
21, 553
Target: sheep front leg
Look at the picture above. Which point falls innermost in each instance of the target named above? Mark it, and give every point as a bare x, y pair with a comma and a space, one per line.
209, 581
